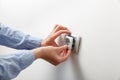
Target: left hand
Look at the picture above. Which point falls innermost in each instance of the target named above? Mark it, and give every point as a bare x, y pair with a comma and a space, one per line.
57, 31
53, 55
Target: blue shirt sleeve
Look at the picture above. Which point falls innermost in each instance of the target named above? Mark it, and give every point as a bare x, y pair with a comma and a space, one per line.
17, 39
11, 65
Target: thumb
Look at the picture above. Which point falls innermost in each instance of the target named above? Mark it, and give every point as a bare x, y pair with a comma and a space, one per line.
64, 54
63, 47
63, 50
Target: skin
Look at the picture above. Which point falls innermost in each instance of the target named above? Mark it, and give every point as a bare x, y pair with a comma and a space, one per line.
49, 50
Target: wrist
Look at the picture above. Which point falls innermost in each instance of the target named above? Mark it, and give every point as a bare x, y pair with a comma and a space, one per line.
43, 43
37, 52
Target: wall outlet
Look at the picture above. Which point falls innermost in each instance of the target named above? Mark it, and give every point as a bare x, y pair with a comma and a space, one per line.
73, 42
68, 40
76, 43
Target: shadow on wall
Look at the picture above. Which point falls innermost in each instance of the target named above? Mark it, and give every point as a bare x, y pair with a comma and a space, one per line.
70, 70
75, 64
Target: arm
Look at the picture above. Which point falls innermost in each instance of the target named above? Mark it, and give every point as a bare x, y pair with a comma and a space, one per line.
11, 65
16, 39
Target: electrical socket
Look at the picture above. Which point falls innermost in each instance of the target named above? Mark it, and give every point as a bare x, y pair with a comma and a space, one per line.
76, 43
68, 40
73, 42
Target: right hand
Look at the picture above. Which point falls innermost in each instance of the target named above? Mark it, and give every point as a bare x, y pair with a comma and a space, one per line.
57, 31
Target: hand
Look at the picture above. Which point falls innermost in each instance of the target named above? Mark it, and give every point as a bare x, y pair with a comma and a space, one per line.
54, 55
57, 31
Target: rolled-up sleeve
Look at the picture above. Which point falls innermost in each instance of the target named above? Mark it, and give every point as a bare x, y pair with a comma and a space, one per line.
17, 39
11, 65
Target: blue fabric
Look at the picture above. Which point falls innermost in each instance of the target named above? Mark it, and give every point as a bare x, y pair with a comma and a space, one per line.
16, 39
11, 65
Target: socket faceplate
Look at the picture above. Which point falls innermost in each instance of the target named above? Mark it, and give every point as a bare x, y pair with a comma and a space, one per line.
76, 43
73, 42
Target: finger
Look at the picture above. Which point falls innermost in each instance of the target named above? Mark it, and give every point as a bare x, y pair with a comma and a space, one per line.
55, 45
59, 33
68, 52
61, 53
63, 58
66, 55
56, 26
60, 27
61, 50
54, 29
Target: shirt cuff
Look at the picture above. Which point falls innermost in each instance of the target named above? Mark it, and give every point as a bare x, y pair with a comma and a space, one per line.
32, 42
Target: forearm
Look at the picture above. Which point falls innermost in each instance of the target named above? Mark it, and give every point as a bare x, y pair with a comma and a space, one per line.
17, 39
12, 65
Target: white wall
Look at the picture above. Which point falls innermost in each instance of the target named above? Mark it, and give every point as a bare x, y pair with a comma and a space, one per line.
96, 21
